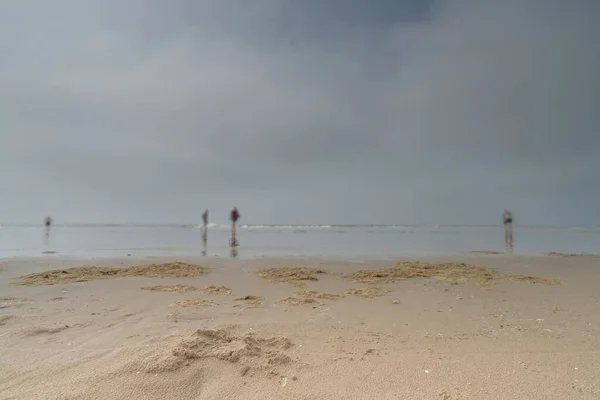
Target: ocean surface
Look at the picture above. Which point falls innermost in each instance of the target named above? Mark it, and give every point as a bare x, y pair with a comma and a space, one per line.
255, 241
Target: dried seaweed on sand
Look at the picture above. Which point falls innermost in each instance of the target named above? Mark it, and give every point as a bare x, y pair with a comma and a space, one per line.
369, 292
195, 302
454, 273
319, 295
297, 276
294, 301
89, 273
212, 289
170, 288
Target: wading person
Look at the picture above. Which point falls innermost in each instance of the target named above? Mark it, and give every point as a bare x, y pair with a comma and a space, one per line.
508, 230
234, 216
48, 224
204, 230
205, 222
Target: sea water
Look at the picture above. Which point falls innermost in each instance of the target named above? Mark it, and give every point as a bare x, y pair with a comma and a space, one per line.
255, 241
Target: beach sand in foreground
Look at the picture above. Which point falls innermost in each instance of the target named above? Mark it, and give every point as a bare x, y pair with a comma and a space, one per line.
494, 327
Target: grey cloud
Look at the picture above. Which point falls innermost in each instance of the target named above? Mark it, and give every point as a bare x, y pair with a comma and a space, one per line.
344, 112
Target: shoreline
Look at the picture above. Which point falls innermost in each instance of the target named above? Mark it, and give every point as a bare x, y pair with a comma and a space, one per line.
251, 337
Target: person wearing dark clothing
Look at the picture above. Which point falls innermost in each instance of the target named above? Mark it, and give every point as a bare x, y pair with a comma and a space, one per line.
234, 215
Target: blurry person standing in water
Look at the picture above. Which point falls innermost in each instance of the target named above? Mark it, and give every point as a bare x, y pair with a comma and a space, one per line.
205, 222
48, 224
204, 229
508, 230
205, 217
234, 216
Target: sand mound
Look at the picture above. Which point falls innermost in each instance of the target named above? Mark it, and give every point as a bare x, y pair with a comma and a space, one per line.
319, 295
191, 303
87, 273
212, 289
170, 288
251, 300
294, 301
249, 351
454, 273
369, 292
294, 275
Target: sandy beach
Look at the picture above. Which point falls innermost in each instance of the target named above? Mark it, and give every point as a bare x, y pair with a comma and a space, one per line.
478, 326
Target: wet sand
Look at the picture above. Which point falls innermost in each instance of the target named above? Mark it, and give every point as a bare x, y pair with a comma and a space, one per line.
478, 327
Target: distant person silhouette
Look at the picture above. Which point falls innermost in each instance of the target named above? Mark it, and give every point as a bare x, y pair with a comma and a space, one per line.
205, 217
508, 230
234, 216
204, 230
48, 225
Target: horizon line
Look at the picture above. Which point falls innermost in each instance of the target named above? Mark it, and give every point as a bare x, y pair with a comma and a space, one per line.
184, 225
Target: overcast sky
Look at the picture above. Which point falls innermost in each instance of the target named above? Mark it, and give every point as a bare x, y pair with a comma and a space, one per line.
300, 111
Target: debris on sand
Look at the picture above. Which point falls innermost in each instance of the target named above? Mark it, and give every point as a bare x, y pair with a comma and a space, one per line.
319, 295
5, 318
249, 351
175, 316
251, 300
553, 253
370, 292
170, 288
294, 301
453, 273
217, 290
297, 276
44, 330
191, 303
530, 279
89, 273
14, 299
